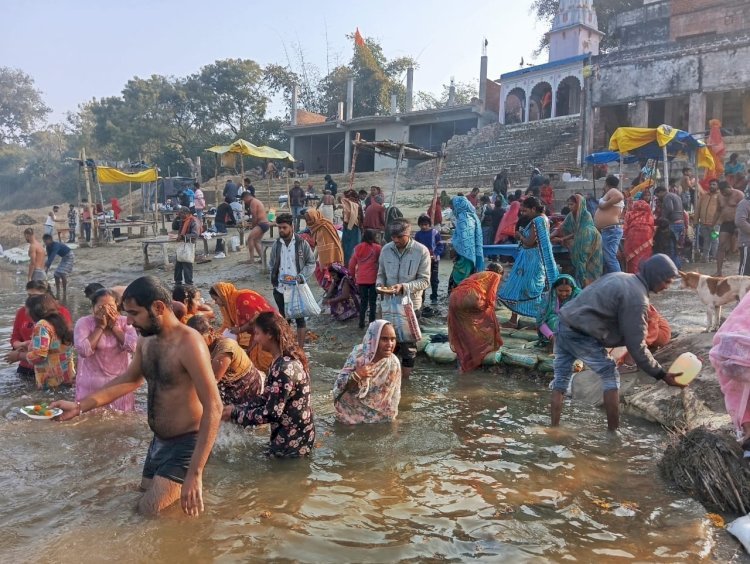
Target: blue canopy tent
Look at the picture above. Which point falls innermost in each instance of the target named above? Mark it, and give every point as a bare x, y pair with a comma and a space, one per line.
605, 157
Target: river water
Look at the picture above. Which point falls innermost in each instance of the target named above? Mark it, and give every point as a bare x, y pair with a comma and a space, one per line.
467, 472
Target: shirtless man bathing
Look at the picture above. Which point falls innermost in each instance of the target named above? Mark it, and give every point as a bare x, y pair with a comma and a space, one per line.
37, 255
259, 224
608, 220
184, 407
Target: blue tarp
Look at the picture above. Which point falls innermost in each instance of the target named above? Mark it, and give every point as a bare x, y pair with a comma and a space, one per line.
609, 157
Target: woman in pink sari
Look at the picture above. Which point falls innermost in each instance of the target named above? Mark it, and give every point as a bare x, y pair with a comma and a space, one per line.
638, 232
105, 344
730, 357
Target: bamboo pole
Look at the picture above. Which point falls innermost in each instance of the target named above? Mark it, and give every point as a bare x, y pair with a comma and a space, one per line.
88, 194
216, 181
354, 160
438, 172
398, 167
81, 235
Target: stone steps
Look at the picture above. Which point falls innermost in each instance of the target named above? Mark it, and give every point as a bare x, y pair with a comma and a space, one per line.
474, 159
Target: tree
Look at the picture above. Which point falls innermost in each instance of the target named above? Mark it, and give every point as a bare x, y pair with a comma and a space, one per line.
465, 91
235, 95
545, 11
21, 106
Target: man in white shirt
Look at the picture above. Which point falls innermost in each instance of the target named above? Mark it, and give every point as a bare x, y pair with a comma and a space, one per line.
293, 261
49, 223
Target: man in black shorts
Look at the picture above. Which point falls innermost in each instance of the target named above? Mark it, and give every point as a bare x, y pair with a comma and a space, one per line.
184, 406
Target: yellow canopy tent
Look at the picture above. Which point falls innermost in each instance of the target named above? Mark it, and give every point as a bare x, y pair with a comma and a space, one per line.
660, 143
245, 148
110, 175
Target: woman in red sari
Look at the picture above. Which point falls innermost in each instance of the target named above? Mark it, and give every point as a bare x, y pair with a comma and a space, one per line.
438, 210
239, 308
638, 232
473, 329
507, 228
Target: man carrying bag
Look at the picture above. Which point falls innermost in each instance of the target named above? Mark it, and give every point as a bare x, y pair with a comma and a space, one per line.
292, 263
403, 267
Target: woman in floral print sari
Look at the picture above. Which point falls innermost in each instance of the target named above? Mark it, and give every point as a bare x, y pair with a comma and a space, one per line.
51, 347
368, 388
285, 403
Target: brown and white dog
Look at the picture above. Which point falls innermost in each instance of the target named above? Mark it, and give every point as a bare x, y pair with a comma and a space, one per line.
716, 292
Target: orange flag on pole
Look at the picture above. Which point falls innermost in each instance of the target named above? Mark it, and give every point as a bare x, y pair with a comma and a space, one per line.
359, 41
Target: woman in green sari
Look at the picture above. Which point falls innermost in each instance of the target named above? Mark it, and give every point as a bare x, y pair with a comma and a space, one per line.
564, 289
580, 234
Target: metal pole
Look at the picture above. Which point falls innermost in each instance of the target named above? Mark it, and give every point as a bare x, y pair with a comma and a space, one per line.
666, 167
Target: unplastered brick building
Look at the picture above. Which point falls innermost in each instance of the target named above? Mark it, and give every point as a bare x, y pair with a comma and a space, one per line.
680, 62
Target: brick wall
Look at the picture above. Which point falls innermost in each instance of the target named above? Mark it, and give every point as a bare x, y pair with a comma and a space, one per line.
474, 159
699, 17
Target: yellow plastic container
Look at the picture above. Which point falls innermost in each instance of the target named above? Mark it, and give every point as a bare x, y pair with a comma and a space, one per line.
689, 365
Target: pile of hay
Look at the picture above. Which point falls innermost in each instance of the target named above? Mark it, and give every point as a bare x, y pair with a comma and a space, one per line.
24, 219
711, 468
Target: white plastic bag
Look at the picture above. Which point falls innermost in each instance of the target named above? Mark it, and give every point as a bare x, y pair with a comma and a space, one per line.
398, 310
299, 301
740, 528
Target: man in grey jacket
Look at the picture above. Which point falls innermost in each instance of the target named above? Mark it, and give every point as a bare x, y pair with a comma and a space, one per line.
609, 313
742, 221
292, 262
404, 265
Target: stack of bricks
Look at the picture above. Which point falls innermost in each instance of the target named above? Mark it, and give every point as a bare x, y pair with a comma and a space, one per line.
474, 159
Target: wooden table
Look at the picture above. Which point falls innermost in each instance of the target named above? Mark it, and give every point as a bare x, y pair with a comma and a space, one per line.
142, 227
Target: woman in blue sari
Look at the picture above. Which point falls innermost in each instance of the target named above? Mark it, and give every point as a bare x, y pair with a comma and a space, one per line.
534, 270
467, 241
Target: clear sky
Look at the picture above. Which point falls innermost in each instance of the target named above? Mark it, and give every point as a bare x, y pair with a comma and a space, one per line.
79, 49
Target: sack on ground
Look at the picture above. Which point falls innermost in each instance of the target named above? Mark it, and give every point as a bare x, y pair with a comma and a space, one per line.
300, 302
185, 252
399, 312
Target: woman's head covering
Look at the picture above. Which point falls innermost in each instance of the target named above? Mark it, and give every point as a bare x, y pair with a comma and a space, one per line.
228, 293
371, 340
566, 277
657, 270
313, 216
467, 238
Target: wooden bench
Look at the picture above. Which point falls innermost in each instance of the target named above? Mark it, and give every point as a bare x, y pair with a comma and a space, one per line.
161, 242
265, 246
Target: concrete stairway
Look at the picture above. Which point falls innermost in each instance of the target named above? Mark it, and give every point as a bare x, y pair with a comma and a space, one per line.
474, 159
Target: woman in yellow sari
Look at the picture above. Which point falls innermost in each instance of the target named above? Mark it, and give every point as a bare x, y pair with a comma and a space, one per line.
239, 308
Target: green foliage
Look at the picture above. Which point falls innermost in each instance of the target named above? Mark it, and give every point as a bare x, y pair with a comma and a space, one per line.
465, 91
166, 120
21, 106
